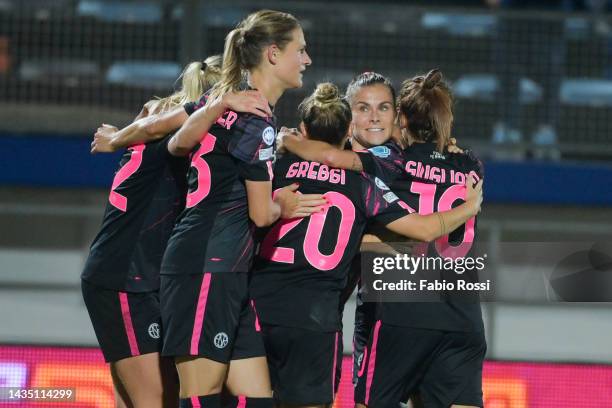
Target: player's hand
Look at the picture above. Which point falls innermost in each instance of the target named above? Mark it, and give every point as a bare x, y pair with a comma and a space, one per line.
247, 101
452, 146
473, 195
287, 140
296, 205
102, 139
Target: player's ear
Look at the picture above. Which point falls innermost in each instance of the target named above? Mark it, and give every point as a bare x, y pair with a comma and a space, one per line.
302, 128
272, 53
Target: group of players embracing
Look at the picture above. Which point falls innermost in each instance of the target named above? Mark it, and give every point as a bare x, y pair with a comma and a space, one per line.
227, 262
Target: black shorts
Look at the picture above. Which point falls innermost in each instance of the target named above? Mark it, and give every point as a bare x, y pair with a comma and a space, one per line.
304, 364
444, 367
209, 315
126, 324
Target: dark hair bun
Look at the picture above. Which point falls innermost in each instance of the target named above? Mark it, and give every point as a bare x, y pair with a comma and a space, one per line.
432, 79
325, 94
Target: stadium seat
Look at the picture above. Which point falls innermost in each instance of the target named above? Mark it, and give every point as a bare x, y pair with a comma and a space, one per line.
144, 74
119, 11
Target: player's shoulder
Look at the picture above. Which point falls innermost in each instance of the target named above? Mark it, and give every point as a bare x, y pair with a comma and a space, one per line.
467, 161
257, 126
386, 150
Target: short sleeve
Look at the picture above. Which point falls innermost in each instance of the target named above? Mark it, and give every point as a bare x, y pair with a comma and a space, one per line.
191, 107
381, 204
253, 145
385, 162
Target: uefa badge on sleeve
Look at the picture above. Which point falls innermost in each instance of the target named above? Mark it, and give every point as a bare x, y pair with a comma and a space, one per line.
269, 135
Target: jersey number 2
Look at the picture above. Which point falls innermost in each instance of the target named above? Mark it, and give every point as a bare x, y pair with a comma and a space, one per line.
117, 200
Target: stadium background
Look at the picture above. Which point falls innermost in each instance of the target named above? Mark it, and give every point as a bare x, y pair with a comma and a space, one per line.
68, 65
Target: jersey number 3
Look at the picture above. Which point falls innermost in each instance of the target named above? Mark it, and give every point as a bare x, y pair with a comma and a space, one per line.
204, 177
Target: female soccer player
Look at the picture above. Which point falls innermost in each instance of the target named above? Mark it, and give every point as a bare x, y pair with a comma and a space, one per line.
206, 310
435, 349
301, 271
120, 280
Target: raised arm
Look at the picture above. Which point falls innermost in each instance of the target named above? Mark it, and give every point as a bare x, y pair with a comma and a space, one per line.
315, 150
198, 124
109, 139
430, 227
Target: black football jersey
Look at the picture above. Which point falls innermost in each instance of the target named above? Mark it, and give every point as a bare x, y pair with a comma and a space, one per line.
303, 263
147, 194
435, 182
214, 233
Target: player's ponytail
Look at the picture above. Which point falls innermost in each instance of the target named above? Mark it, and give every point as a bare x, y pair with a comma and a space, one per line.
244, 45
196, 78
426, 102
326, 114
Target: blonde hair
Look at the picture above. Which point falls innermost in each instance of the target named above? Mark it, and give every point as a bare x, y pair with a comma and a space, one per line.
245, 43
426, 101
196, 78
325, 114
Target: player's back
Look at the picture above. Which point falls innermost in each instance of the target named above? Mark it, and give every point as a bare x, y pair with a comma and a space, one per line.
146, 196
303, 263
436, 182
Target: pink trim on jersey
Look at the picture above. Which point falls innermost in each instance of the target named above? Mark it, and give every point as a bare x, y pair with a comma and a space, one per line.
334, 366
270, 170
257, 326
372, 362
368, 197
241, 402
127, 323
199, 317
195, 402
363, 361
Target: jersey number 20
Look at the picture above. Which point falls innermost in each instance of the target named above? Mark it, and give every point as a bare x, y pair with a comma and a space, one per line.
316, 222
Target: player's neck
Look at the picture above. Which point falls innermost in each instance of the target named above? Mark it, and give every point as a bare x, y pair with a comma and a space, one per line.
267, 84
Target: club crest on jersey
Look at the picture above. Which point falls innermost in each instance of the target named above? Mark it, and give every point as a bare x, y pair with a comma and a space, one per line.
380, 184
268, 135
380, 151
437, 156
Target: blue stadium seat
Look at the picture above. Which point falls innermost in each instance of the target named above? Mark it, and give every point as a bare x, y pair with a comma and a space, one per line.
68, 72
144, 74
120, 11
485, 87
587, 92
461, 24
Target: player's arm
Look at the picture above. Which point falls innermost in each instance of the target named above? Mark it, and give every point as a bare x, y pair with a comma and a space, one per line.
265, 208
109, 139
315, 150
197, 125
430, 227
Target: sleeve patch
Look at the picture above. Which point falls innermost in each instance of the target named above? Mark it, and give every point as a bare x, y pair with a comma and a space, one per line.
390, 197
268, 135
380, 184
380, 151
266, 154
